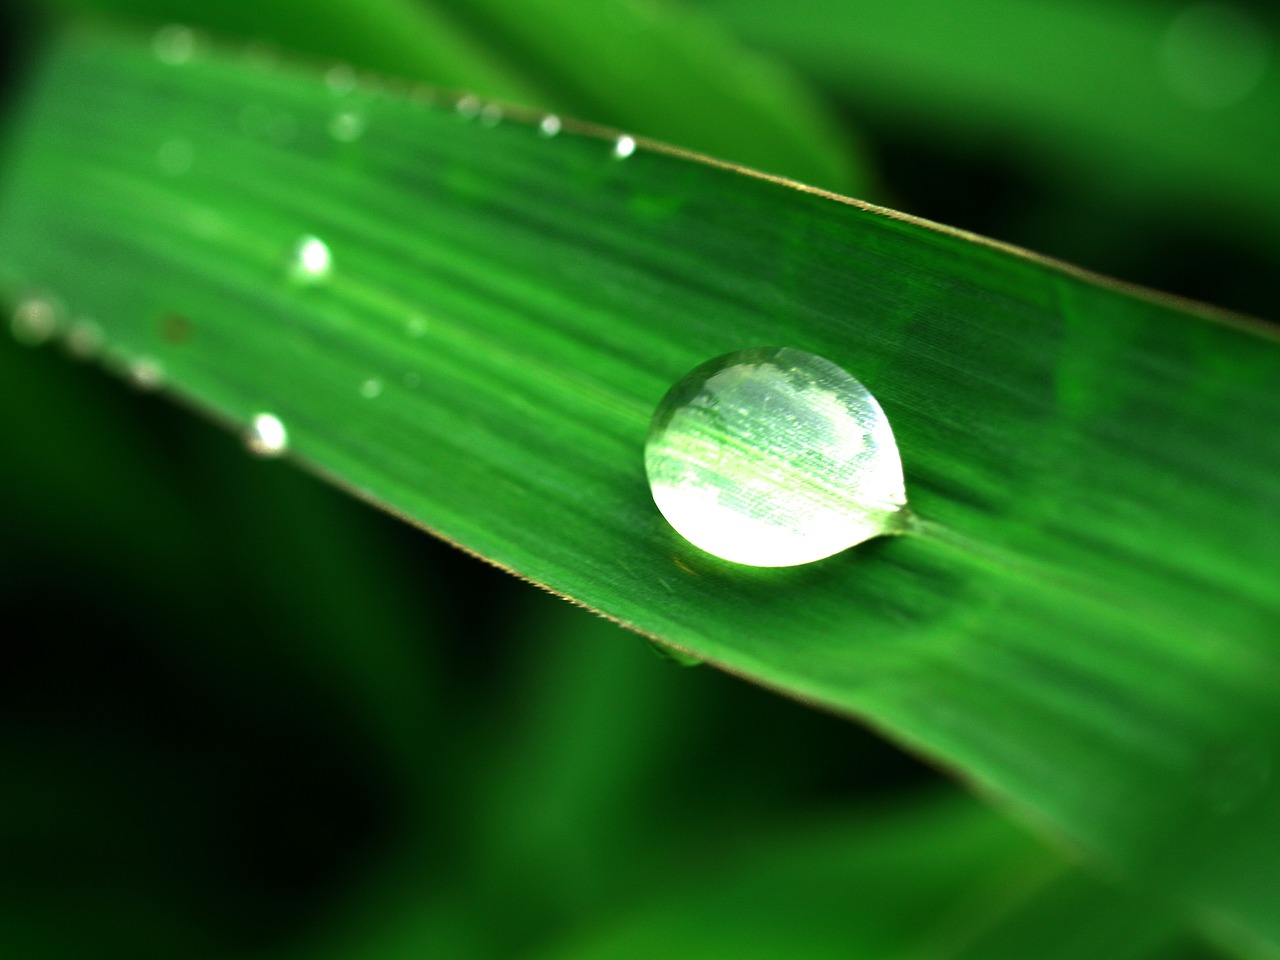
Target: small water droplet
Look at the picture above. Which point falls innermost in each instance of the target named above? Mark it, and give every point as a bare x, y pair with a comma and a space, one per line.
311, 260
1214, 55
468, 106
549, 126
491, 115
416, 325
34, 321
174, 44
175, 156
84, 339
624, 147
774, 457
340, 79
669, 653
346, 126
371, 388
411, 380
267, 436
145, 373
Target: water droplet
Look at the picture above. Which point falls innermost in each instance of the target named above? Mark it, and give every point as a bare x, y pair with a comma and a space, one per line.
175, 156
34, 321
266, 436
1214, 55
416, 325
346, 126
774, 457
145, 373
174, 44
468, 106
340, 79
549, 126
624, 147
491, 115
84, 339
371, 388
665, 652
311, 260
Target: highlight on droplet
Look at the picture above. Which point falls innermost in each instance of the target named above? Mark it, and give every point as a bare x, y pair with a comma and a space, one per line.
774, 457
624, 147
266, 436
549, 126
311, 261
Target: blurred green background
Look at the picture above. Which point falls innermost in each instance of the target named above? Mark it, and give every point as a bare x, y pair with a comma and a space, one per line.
244, 715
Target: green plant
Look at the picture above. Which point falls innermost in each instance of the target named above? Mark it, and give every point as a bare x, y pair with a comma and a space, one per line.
469, 321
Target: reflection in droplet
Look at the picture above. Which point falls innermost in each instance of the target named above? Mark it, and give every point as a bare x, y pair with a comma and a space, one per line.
346, 126
175, 156
84, 339
1214, 55
311, 260
340, 79
145, 373
371, 388
266, 436
774, 457
549, 126
624, 147
491, 114
174, 44
468, 106
34, 321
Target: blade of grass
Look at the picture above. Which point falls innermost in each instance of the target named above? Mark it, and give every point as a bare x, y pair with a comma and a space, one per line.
1084, 623
660, 71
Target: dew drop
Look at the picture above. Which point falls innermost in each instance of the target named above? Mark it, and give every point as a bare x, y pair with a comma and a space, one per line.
665, 652
371, 388
311, 260
774, 457
549, 126
84, 339
145, 373
624, 147
346, 126
34, 321
468, 106
175, 156
266, 436
491, 115
174, 44
340, 79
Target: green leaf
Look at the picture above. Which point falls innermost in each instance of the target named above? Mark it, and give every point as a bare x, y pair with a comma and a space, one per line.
659, 71
1084, 621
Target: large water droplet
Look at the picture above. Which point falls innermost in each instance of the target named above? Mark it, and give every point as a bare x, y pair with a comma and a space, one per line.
267, 436
549, 125
774, 457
